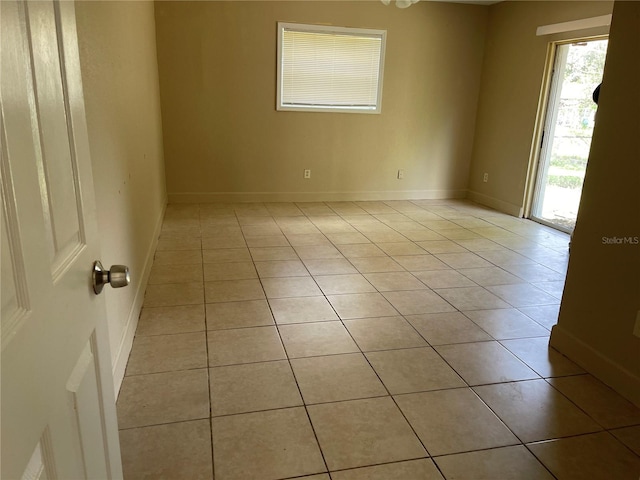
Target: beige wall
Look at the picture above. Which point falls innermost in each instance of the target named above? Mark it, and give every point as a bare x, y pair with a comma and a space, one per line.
602, 293
120, 78
512, 76
217, 63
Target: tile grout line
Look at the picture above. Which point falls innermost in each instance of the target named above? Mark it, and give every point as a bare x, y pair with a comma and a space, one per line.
304, 405
468, 386
206, 341
383, 384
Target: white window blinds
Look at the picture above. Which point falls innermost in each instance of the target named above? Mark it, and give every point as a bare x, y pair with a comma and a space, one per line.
330, 68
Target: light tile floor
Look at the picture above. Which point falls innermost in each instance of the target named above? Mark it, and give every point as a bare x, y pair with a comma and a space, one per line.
362, 340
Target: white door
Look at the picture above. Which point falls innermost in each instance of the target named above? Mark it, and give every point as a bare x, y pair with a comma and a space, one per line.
58, 405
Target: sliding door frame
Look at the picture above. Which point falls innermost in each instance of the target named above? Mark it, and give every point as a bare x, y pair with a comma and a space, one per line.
538, 142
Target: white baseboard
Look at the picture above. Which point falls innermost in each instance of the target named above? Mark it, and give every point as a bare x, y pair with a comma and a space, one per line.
603, 368
236, 197
126, 341
496, 203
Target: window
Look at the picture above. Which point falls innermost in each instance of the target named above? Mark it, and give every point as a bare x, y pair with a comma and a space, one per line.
329, 69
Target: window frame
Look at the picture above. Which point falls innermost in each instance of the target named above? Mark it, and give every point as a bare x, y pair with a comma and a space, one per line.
282, 26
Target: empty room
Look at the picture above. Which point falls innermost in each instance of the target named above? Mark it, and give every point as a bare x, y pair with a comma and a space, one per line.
321, 240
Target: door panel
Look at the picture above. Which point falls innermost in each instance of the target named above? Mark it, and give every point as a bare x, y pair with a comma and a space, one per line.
58, 403
40, 466
13, 292
57, 163
83, 388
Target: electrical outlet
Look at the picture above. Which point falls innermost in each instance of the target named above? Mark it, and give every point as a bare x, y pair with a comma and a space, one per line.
400, 174
307, 174
485, 178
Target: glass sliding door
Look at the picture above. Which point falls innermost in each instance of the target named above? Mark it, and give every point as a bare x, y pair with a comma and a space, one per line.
567, 133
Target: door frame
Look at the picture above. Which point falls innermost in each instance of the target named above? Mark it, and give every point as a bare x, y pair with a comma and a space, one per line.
542, 114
